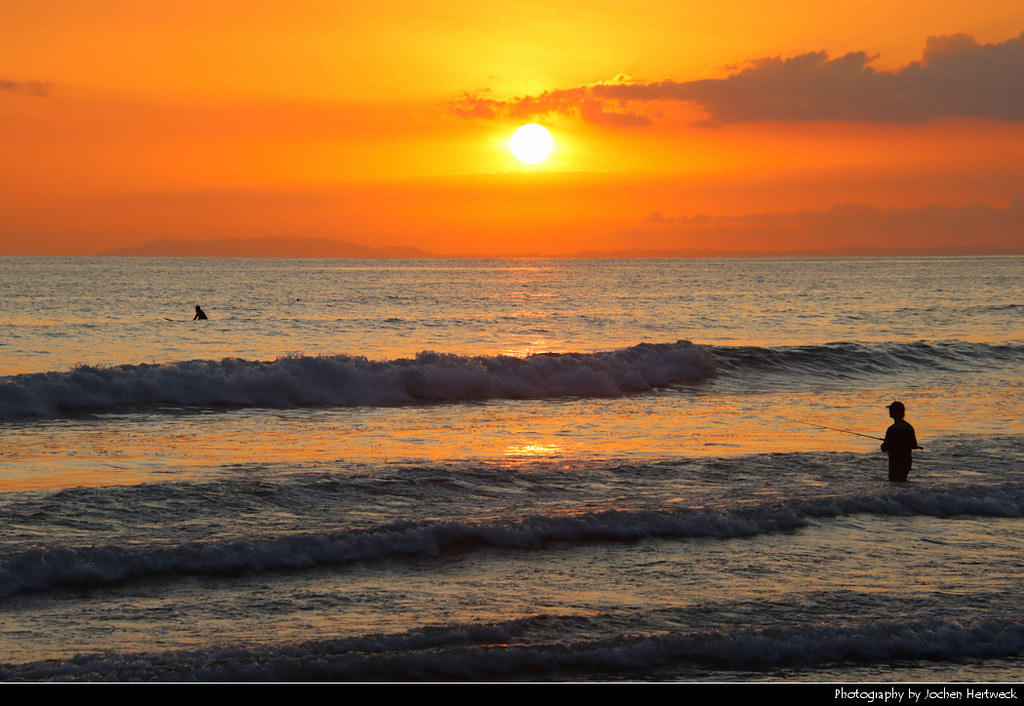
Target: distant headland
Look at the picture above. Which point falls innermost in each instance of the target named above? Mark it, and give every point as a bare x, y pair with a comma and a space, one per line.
265, 247
327, 248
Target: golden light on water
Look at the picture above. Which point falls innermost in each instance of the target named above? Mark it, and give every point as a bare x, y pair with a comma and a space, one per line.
534, 450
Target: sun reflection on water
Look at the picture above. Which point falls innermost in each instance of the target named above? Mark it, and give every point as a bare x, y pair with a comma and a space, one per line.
534, 450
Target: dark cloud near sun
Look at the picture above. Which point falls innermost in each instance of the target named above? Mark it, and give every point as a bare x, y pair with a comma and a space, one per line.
956, 77
40, 89
595, 103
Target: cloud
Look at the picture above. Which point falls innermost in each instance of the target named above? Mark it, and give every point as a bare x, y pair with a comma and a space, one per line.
40, 89
938, 226
592, 102
957, 77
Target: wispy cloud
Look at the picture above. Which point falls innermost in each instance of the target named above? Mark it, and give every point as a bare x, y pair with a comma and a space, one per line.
914, 227
40, 89
956, 77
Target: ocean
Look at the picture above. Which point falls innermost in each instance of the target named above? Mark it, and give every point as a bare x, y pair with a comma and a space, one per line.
567, 470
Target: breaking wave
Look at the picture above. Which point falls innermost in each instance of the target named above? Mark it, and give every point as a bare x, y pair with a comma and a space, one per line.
44, 568
342, 380
504, 651
345, 380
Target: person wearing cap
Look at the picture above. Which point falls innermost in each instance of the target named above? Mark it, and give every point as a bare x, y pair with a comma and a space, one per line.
900, 441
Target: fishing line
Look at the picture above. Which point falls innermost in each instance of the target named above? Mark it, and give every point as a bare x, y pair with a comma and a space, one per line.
844, 431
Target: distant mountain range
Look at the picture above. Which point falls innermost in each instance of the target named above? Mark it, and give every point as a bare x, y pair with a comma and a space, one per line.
324, 247
265, 247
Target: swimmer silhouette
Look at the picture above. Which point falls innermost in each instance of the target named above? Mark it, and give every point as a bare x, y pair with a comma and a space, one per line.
200, 314
900, 441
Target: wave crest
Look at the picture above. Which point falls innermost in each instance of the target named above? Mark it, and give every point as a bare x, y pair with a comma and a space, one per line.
342, 380
42, 568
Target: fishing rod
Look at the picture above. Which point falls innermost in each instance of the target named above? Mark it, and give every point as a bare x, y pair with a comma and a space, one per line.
844, 431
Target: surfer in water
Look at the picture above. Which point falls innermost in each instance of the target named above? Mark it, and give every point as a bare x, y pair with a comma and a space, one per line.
200, 314
900, 441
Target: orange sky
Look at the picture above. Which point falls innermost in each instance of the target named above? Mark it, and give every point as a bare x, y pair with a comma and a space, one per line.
737, 125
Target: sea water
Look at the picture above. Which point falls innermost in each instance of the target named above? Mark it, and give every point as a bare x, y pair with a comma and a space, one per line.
510, 470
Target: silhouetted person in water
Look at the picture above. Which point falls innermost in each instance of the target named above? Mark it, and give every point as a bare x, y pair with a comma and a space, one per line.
200, 314
900, 441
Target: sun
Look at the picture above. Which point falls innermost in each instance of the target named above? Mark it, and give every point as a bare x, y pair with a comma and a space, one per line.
531, 143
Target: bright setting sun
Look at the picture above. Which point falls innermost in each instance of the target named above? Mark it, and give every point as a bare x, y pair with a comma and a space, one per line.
531, 143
